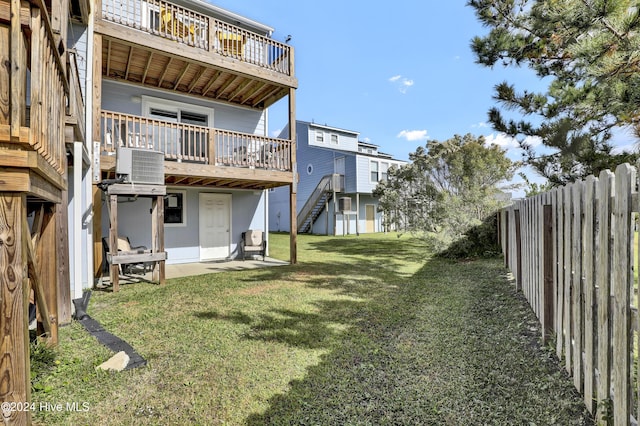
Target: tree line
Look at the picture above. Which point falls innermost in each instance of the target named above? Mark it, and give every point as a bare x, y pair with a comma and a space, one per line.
588, 51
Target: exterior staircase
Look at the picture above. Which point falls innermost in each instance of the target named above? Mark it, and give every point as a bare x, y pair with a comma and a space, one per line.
313, 207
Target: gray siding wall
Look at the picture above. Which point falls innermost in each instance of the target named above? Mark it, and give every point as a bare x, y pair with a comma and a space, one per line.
346, 141
127, 99
77, 39
182, 242
348, 224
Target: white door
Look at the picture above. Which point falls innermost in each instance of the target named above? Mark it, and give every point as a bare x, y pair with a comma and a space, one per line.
215, 226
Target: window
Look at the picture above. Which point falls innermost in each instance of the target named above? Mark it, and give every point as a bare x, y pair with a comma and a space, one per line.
384, 171
374, 171
175, 208
334, 139
319, 136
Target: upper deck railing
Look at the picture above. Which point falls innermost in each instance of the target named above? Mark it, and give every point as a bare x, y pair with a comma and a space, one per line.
189, 143
177, 23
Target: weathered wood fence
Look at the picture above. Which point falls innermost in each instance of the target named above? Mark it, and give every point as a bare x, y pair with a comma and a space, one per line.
571, 251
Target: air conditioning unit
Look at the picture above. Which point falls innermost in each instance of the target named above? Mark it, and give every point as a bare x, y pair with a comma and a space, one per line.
344, 204
140, 166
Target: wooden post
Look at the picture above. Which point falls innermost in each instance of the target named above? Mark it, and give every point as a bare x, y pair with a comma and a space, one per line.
63, 309
518, 250
622, 280
559, 270
566, 308
589, 258
47, 267
157, 236
547, 294
293, 236
576, 284
114, 270
97, 232
603, 284
506, 239
96, 136
15, 385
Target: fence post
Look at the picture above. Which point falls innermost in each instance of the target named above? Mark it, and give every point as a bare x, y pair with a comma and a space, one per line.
506, 239
559, 267
603, 285
622, 280
516, 213
547, 291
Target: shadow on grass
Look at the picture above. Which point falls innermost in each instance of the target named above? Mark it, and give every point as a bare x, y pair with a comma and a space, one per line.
452, 343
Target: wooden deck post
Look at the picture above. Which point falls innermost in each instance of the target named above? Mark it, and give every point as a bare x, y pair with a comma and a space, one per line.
293, 236
157, 236
114, 269
47, 267
96, 136
15, 385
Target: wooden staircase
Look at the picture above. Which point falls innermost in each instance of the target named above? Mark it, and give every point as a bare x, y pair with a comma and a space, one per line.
313, 207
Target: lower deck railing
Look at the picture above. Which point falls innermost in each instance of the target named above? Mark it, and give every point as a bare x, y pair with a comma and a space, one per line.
190, 143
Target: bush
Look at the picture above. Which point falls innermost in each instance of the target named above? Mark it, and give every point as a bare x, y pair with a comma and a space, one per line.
479, 241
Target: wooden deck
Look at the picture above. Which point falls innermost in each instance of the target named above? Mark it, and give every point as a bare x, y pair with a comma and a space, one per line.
197, 155
159, 44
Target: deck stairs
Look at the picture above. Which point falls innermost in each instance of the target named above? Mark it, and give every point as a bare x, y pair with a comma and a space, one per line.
313, 207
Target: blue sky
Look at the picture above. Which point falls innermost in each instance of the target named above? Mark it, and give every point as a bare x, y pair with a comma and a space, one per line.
398, 74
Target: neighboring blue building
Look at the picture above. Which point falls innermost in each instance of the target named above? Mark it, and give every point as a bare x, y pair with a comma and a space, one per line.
338, 174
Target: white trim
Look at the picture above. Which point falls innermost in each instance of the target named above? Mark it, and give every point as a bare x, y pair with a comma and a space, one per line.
149, 102
184, 209
377, 171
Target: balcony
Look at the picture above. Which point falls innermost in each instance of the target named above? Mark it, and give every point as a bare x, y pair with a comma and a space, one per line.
197, 155
163, 45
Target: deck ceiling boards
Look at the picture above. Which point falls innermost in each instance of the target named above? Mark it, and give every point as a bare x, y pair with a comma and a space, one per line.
218, 183
141, 65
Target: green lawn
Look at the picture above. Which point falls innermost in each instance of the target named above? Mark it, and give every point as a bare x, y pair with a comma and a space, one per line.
364, 330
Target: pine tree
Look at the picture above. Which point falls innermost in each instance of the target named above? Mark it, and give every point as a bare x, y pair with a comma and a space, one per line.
589, 50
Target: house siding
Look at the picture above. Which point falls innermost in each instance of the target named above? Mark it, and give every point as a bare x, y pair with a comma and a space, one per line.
182, 243
77, 39
127, 99
321, 158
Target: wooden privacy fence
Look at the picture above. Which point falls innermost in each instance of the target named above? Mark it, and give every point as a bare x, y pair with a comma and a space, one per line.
571, 251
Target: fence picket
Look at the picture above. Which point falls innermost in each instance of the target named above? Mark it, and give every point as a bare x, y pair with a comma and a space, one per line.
622, 279
566, 321
606, 186
589, 236
572, 253
576, 283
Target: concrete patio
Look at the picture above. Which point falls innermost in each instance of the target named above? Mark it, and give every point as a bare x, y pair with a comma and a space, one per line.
200, 268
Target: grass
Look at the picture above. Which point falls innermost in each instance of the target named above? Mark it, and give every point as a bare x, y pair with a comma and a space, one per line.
364, 330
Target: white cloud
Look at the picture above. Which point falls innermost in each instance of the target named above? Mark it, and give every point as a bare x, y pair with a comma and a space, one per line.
482, 124
501, 140
402, 83
413, 135
508, 142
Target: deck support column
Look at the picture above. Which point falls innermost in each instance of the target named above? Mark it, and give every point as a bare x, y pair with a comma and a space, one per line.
293, 236
14, 295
